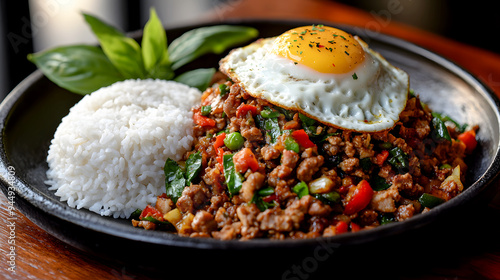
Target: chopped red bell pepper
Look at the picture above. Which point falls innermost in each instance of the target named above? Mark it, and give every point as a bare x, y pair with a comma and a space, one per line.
245, 159
341, 227
220, 159
302, 138
219, 140
361, 197
243, 109
380, 158
202, 120
150, 211
469, 139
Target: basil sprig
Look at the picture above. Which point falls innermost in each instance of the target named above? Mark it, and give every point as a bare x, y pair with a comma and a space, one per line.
83, 69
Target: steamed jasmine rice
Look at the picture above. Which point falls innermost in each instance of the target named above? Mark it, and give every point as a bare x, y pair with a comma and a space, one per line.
108, 153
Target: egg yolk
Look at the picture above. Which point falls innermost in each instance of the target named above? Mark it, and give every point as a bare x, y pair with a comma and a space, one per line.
322, 48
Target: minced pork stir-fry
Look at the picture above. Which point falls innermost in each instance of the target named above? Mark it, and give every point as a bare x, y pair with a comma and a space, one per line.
260, 171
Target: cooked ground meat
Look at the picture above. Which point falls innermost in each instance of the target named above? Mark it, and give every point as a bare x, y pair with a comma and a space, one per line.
282, 186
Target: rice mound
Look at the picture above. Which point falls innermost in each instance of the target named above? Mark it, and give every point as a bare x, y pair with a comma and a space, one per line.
108, 153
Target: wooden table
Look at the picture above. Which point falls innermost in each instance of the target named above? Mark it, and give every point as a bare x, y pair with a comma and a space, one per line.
42, 256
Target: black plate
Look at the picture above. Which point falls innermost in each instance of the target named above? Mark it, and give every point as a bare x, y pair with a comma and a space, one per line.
31, 113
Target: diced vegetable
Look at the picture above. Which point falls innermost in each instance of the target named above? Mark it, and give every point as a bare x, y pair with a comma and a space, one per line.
244, 109
233, 178
453, 178
341, 227
184, 225
361, 197
219, 140
321, 185
234, 141
245, 159
469, 139
202, 120
173, 216
302, 138
301, 189
136, 214
150, 211
430, 201
223, 89
268, 113
382, 157
291, 144
205, 110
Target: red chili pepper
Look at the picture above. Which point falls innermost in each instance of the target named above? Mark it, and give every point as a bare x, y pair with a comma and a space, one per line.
151, 211
243, 109
219, 140
341, 227
382, 157
302, 138
270, 198
355, 227
202, 120
469, 139
245, 159
361, 197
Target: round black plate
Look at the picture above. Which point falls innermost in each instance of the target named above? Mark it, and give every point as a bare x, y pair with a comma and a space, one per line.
31, 113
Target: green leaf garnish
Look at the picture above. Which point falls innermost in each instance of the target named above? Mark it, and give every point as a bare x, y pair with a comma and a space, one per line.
84, 69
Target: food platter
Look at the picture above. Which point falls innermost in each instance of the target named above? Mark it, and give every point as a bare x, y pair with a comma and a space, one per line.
33, 110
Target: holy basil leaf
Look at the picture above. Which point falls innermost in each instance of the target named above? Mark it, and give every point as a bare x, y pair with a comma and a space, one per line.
198, 78
174, 180
193, 167
233, 178
154, 45
124, 52
81, 69
439, 129
212, 39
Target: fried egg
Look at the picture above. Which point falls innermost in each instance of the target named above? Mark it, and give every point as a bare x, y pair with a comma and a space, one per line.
324, 73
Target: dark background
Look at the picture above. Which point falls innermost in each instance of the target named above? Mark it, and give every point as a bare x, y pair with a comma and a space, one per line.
23, 24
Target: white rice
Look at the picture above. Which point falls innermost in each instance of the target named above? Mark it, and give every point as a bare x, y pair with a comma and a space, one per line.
108, 153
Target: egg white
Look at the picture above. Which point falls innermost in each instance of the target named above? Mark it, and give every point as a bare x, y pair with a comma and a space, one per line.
367, 99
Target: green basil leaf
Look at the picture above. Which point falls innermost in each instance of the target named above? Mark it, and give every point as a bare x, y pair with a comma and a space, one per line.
154, 46
124, 52
174, 180
306, 121
193, 167
81, 69
233, 178
212, 39
199, 78
273, 128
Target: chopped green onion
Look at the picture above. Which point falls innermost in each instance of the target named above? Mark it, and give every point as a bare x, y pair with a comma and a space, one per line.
223, 89
205, 110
